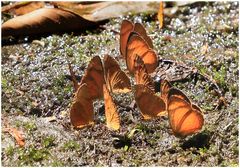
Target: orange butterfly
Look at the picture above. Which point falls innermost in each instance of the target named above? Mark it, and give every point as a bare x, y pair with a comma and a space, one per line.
141, 75
96, 75
185, 118
150, 105
81, 112
135, 42
96, 78
126, 28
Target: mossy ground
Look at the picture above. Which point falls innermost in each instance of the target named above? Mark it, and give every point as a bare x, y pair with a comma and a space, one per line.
36, 85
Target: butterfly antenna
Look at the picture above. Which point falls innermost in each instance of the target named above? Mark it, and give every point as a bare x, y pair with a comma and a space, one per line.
74, 79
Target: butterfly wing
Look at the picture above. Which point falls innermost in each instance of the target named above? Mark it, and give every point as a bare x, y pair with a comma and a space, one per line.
137, 46
184, 120
150, 105
81, 112
94, 78
117, 80
126, 29
112, 117
138, 27
141, 75
165, 86
178, 93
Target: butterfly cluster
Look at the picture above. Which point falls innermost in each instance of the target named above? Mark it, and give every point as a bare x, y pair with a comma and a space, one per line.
103, 78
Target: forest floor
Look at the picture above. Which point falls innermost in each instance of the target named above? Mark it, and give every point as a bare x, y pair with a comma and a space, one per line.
37, 95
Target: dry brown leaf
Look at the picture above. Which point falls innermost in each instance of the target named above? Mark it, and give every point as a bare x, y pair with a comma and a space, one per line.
106, 10
44, 20
74, 16
160, 14
17, 135
21, 8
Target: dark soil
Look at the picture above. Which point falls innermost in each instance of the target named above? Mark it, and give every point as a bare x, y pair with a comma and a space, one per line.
36, 86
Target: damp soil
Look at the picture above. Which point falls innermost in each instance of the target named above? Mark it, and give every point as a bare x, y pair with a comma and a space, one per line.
37, 93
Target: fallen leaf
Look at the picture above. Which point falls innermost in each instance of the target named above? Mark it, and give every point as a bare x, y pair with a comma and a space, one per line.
160, 15
21, 8
105, 10
45, 20
71, 16
17, 135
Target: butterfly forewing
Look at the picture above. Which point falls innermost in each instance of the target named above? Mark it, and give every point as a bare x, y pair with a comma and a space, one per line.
117, 80
112, 117
165, 86
126, 29
150, 105
81, 112
138, 27
94, 78
178, 93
